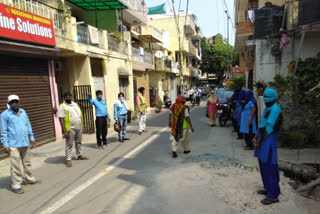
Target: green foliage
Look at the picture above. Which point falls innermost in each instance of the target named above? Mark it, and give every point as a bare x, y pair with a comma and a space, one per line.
301, 108
237, 83
214, 56
260, 84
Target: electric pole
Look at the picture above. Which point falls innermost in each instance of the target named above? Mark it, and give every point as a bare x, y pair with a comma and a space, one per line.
180, 50
228, 59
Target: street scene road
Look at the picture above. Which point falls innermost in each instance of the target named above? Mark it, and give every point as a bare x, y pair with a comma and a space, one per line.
140, 176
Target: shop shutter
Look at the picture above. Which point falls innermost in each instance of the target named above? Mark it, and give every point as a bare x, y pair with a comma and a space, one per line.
28, 78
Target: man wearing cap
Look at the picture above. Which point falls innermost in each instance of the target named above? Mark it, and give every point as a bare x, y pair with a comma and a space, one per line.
16, 134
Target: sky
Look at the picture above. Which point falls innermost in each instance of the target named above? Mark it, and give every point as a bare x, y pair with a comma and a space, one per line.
211, 15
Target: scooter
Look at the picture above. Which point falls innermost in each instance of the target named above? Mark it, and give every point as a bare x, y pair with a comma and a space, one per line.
167, 101
224, 113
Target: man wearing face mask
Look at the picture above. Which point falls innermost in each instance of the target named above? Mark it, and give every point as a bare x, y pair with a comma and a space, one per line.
71, 122
120, 116
16, 134
266, 142
102, 116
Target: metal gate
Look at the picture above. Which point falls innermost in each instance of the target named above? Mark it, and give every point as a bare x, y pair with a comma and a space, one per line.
250, 80
80, 94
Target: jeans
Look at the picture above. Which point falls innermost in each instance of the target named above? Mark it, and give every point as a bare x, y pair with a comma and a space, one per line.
123, 126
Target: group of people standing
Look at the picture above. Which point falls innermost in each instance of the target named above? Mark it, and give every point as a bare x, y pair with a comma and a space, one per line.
244, 116
262, 137
16, 131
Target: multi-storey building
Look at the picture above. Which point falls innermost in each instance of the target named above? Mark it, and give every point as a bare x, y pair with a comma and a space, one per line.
271, 34
190, 45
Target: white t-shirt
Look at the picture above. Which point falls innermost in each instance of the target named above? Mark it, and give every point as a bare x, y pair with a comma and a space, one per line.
75, 114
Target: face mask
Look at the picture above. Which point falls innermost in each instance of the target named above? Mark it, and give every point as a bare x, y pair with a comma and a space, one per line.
121, 99
14, 107
100, 97
68, 101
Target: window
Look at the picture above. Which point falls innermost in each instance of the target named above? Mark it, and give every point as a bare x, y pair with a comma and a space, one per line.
123, 85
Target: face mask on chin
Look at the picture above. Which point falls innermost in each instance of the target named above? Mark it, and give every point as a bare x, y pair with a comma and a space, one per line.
68, 101
100, 97
14, 107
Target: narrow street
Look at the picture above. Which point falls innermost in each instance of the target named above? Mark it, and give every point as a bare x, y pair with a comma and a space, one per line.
142, 177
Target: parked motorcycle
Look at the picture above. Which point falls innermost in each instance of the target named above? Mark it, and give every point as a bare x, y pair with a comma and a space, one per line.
224, 113
167, 101
195, 100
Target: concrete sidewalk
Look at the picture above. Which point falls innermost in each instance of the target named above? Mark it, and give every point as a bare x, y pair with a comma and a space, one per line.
39, 154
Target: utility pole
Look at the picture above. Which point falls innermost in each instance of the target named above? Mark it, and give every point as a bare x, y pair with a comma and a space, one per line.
180, 49
228, 59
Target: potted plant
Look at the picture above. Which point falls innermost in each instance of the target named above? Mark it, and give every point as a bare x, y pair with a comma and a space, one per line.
261, 86
157, 103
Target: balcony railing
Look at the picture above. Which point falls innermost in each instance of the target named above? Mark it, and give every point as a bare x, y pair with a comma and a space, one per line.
135, 4
39, 9
146, 57
117, 46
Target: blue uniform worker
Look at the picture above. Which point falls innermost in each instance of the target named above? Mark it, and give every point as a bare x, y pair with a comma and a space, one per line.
249, 115
239, 107
267, 152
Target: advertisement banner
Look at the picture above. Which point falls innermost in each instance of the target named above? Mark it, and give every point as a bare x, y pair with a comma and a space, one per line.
237, 71
21, 25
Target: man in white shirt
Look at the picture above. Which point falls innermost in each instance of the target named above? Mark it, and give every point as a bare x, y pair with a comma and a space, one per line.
71, 121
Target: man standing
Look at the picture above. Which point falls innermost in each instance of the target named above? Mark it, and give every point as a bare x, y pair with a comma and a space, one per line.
16, 134
120, 116
71, 121
266, 142
142, 110
101, 118
180, 123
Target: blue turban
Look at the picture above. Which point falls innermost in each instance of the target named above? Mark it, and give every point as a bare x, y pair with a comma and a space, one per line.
269, 95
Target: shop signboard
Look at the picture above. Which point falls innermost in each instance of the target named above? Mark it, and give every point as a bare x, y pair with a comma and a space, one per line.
21, 25
238, 71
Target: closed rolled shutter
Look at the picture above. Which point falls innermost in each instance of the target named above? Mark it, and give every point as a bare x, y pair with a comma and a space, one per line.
28, 78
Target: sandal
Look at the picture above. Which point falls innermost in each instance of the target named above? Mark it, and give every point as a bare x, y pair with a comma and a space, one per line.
80, 157
68, 163
269, 201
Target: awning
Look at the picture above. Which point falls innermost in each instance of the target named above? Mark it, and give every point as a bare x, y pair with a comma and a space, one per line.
156, 10
99, 4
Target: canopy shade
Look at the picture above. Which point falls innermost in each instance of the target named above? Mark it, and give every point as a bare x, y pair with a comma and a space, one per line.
156, 10
98, 4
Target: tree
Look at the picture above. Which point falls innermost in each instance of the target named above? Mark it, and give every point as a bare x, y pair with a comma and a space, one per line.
215, 56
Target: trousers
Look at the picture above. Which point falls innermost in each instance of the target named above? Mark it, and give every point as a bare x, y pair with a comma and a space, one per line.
101, 130
142, 121
123, 126
185, 143
19, 171
270, 177
75, 136
249, 137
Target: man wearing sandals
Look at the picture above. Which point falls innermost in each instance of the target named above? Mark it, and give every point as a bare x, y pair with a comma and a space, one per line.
71, 121
265, 143
16, 134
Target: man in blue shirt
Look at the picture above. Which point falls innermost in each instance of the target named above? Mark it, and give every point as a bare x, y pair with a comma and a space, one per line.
16, 134
120, 116
101, 118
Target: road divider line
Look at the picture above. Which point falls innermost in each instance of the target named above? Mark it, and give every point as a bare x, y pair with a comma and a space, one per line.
92, 180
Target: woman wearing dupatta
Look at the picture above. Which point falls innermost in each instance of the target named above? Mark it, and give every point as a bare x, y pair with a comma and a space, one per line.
266, 142
180, 123
212, 108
